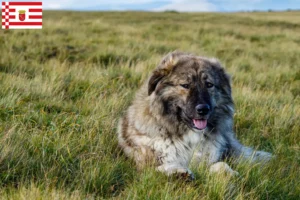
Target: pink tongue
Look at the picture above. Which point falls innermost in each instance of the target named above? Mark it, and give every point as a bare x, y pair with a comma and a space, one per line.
200, 123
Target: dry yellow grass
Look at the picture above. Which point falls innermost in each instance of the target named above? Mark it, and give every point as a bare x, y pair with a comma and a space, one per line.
63, 88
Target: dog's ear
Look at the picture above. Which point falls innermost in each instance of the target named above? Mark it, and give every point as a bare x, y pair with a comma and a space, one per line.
154, 80
225, 81
224, 78
162, 70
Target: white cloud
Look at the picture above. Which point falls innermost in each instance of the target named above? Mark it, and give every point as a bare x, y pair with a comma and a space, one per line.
160, 5
188, 6
90, 3
180, 5
55, 4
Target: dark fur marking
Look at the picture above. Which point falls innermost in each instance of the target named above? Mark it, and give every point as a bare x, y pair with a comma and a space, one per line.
187, 147
225, 151
154, 80
177, 154
166, 107
124, 132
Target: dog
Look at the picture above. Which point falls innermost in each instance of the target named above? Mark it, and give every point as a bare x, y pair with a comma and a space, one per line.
184, 113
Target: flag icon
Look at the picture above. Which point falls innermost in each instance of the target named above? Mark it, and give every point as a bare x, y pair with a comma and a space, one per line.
22, 15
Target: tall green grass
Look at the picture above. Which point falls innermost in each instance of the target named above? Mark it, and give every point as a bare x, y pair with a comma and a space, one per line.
63, 88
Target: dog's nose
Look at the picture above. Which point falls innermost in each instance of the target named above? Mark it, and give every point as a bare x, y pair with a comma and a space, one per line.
203, 109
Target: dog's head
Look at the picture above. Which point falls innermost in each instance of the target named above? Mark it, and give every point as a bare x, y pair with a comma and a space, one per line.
191, 89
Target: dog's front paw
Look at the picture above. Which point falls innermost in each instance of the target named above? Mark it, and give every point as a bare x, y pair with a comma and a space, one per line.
185, 174
178, 171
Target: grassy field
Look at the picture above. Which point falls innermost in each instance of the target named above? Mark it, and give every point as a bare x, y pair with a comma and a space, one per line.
63, 88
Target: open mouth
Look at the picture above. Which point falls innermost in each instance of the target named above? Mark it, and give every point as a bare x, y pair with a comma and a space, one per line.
200, 124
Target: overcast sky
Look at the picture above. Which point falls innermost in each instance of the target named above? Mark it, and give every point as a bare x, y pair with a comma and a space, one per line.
179, 5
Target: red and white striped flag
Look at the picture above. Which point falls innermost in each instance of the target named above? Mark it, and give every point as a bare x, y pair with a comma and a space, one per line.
22, 15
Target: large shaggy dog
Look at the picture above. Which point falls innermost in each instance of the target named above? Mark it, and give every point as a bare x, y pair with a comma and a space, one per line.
184, 112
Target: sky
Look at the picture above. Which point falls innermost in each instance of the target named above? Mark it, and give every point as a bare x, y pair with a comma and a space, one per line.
179, 5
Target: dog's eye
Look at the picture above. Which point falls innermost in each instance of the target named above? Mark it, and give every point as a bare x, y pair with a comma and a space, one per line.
186, 86
209, 85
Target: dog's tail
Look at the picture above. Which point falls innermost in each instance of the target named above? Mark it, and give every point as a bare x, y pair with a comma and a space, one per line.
243, 153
